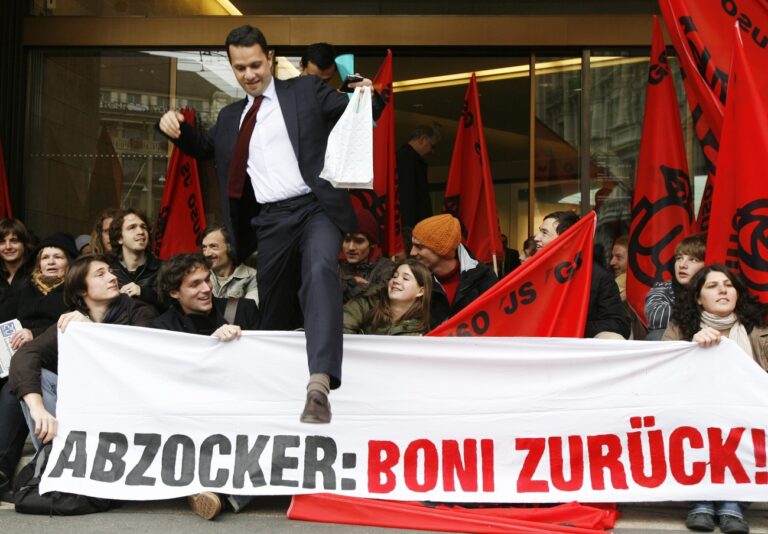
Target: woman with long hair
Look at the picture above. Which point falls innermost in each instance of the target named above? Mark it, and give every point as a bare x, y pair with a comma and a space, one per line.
401, 307
716, 304
15, 248
689, 259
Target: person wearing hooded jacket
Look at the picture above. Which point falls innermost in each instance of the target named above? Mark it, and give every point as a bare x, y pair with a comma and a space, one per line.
459, 278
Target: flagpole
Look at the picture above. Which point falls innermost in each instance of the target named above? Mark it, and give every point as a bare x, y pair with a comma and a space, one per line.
495, 265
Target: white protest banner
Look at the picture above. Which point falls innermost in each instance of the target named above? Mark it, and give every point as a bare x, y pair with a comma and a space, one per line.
148, 414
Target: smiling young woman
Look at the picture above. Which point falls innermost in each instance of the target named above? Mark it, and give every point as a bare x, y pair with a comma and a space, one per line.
399, 307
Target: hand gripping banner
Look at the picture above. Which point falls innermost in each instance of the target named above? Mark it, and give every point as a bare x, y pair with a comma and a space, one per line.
148, 414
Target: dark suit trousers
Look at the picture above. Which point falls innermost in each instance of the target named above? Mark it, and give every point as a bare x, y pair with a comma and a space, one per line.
298, 256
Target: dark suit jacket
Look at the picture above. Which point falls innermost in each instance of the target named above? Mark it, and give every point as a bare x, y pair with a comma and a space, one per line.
310, 109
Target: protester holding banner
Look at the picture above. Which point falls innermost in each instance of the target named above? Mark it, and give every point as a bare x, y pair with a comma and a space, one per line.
363, 266
183, 284
399, 308
689, 259
92, 291
715, 304
606, 317
227, 279
459, 277
135, 267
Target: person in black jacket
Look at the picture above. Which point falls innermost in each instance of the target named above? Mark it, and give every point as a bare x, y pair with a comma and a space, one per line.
184, 284
92, 291
412, 182
459, 277
15, 248
606, 317
135, 267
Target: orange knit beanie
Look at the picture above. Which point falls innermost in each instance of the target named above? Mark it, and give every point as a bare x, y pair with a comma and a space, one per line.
440, 233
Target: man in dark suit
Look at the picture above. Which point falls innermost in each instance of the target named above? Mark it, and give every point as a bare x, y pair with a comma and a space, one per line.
268, 162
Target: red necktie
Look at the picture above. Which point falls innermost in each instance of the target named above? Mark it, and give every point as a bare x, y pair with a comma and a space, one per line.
238, 165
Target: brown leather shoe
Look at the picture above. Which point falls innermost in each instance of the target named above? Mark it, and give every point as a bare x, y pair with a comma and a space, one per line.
317, 410
206, 504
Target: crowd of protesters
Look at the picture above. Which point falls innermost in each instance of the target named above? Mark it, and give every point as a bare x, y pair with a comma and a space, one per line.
319, 266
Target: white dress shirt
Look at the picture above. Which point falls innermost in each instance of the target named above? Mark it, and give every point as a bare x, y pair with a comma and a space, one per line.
272, 164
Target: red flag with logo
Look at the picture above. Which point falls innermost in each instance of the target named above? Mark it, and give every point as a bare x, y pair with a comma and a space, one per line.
5, 198
662, 210
469, 193
740, 202
383, 201
701, 33
548, 296
181, 219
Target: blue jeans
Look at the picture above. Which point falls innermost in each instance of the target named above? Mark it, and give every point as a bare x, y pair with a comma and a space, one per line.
718, 508
48, 384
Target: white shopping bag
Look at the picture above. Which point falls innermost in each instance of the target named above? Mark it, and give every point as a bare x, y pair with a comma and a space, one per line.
349, 154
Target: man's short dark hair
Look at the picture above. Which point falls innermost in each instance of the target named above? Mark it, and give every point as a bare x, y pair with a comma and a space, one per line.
116, 229
246, 35
75, 285
424, 130
172, 273
224, 232
565, 219
321, 54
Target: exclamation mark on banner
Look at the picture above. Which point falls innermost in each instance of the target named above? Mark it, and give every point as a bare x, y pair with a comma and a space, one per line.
758, 439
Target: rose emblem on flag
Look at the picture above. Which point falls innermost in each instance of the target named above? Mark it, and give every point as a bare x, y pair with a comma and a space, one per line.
750, 225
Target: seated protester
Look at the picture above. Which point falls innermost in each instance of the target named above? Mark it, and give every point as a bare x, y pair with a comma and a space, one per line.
606, 317
528, 249
184, 284
227, 280
133, 264
92, 291
715, 304
618, 263
458, 277
39, 302
399, 308
689, 259
100, 234
363, 266
15, 249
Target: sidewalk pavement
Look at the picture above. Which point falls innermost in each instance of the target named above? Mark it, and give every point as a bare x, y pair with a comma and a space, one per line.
267, 514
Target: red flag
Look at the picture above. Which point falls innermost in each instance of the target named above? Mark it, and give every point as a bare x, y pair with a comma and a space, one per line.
571, 518
383, 200
740, 205
5, 198
662, 211
701, 34
555, 283
469, 193
181, 219
106, 177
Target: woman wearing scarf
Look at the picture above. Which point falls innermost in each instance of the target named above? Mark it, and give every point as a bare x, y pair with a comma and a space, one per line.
40, 301
717, 304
